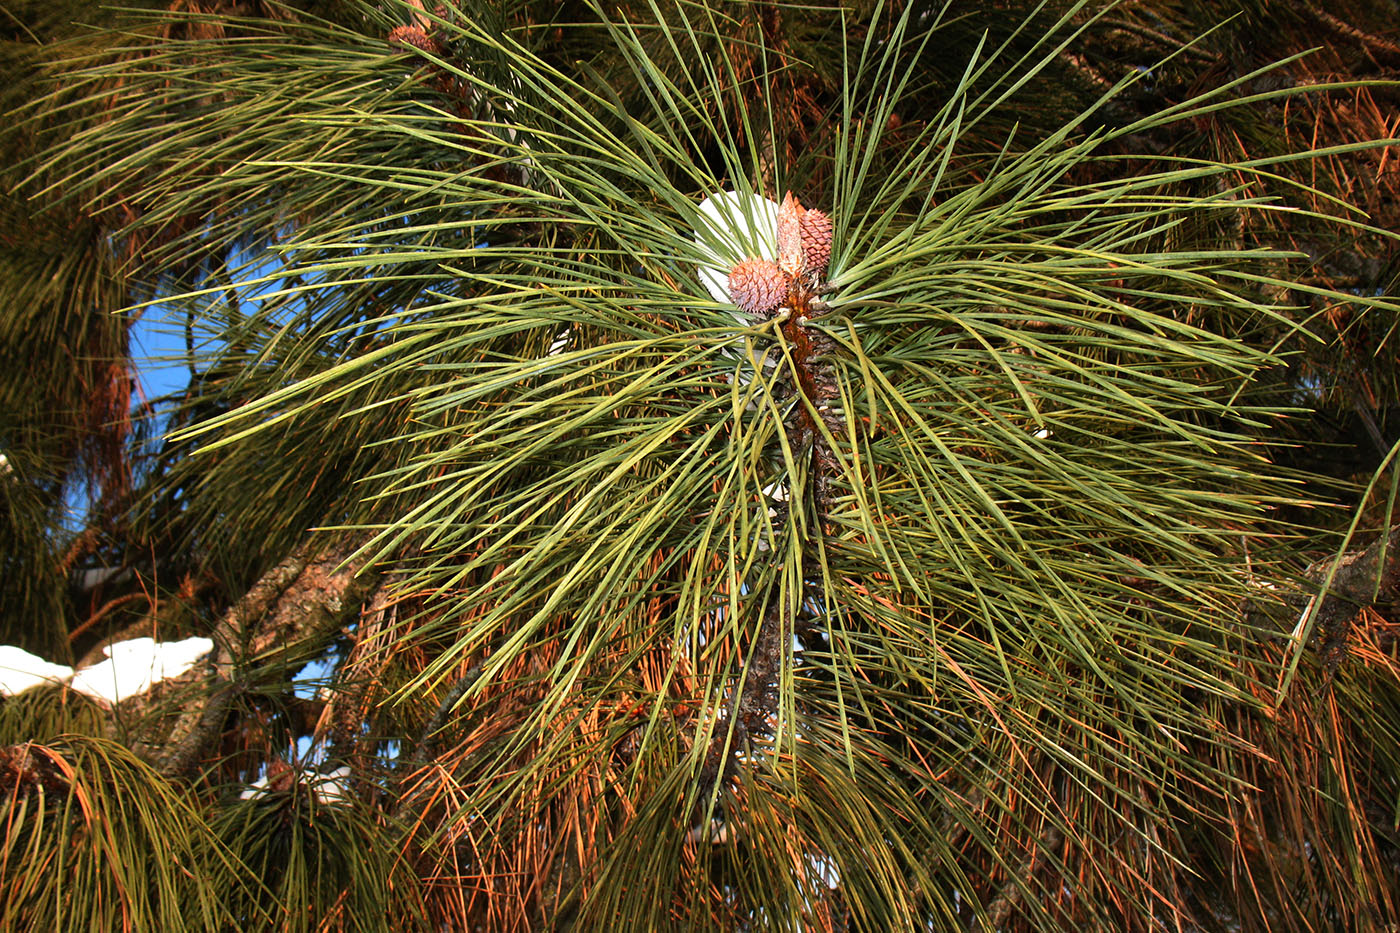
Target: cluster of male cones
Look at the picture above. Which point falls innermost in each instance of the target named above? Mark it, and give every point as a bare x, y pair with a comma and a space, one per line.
761, 286
415, 37
418, 34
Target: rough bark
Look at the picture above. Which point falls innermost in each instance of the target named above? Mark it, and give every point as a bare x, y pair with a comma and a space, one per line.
289, 613
1365, 579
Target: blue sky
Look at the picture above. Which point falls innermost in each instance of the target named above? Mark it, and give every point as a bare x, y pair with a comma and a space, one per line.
153, 342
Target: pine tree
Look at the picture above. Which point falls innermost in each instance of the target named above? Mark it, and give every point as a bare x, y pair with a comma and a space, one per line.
705, 466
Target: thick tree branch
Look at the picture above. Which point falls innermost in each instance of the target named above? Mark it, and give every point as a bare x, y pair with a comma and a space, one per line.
293, 608
1363, 579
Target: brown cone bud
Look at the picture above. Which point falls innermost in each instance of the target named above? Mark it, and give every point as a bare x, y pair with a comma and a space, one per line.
280, 775
816, 240
413, 37
758, 286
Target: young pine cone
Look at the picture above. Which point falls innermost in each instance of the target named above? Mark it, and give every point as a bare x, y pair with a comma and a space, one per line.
413, 37
758, 286
815, 228
791, 258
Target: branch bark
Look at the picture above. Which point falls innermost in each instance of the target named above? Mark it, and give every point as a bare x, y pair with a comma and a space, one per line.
295, 607
1363, 579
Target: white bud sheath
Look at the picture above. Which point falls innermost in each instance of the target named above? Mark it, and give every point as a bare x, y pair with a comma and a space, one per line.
734, 227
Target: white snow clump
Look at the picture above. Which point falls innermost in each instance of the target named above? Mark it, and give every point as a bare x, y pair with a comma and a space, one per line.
20, 670
133, 667
328, 789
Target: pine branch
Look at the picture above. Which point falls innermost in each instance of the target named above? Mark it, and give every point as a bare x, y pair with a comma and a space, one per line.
803, 241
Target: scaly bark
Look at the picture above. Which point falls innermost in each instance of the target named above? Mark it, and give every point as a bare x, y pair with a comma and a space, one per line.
291, 611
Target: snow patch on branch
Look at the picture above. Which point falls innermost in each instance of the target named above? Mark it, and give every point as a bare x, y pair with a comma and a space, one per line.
330, 789
20, 670
133, 667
